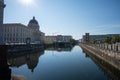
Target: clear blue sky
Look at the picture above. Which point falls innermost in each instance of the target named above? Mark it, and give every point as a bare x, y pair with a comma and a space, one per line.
67, 17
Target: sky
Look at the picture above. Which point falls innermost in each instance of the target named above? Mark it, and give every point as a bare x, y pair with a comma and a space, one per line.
67, 17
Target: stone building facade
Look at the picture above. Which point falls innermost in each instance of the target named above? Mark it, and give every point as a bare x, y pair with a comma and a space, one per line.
58, 38
18, 33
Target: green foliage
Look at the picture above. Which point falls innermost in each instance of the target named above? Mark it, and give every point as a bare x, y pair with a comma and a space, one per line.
48, 43
73, 41
115, 38
108, 40
92, 41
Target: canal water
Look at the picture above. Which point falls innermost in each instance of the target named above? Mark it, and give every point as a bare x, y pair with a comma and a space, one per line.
57, 64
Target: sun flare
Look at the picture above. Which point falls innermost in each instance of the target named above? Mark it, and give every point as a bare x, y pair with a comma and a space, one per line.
26, 2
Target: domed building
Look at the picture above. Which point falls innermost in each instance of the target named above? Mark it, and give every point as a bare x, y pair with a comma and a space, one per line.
19, 33
38, 35
33, 24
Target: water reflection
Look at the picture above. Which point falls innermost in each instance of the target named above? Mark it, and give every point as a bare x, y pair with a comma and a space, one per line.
72, 64
5, 71
29, 58
60, 49
105, 67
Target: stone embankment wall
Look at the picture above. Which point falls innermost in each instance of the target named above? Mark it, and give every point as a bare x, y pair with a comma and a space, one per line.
112, 57
21, 48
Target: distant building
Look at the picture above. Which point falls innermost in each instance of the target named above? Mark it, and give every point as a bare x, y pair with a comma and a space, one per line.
50, 39
63, 38
98, 37
58, 38
87, 37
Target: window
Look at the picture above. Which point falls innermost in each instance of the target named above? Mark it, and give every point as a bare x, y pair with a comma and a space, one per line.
13, 34
16, 39
16, 34
7, 35
7, 29
10, 39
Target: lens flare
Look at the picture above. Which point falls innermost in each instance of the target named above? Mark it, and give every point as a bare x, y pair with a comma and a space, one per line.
26, 2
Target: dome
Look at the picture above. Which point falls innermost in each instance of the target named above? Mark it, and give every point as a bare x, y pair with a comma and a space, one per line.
33, 21
33, 24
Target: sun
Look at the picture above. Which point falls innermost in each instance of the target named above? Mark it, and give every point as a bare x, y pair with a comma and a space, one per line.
26, 2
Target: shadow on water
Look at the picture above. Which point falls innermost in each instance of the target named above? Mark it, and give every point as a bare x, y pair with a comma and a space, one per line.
105, 67
5, 71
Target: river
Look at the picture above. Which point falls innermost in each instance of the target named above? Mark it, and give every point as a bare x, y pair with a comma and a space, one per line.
58, 64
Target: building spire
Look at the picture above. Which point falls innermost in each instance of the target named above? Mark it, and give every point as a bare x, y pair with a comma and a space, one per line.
33, 17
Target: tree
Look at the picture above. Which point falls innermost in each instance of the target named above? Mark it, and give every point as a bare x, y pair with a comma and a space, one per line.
108, 40
92, 41
115, 38
73, 41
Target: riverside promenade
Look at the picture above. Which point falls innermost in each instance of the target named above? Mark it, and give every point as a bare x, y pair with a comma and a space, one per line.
109, 56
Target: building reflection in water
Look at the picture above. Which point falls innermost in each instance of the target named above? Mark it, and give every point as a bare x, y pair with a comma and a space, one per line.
29, 58
68, 49
5, 71
105, 67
